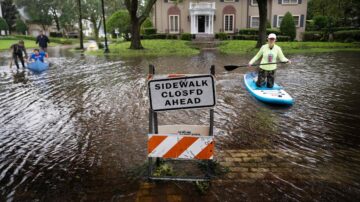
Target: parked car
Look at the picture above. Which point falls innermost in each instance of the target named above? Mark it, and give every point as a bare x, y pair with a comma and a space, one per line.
72, 35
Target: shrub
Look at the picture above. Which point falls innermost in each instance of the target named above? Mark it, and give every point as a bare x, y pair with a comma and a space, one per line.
25, 37
149, 31
347, 35
275, 31
268, 24
312, 36
255, 31
56, 34
154, 36
255, 37
221, 36
245, 37
287, 26
147, 23
3, 25
283, 38
186, 36
249, 31
61, 41
171, 36
20, 26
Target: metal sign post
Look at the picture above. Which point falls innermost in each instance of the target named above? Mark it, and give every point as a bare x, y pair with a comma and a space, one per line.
180, 142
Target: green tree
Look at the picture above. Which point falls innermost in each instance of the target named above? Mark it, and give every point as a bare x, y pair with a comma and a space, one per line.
343, 12
69, 16
92, 12
3, 26
320, 22
112, 6
287, 26
120, 20
137, 17
20, 26
10, 13
38, 11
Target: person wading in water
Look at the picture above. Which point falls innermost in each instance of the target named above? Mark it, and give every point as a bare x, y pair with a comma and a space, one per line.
43, 41
17, 53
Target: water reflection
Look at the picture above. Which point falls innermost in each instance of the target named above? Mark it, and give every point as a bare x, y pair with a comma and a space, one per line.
75, 131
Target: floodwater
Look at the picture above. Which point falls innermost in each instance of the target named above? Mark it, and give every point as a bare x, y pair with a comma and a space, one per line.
77, 132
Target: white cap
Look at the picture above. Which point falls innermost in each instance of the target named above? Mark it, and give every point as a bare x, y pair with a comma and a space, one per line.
272, 36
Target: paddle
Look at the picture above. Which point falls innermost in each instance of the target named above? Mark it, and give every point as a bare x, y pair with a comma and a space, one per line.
232, 67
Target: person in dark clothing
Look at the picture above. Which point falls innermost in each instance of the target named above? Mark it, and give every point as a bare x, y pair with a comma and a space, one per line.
17, 53
42, 40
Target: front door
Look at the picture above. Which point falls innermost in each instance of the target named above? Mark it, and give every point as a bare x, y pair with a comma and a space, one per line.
201, 23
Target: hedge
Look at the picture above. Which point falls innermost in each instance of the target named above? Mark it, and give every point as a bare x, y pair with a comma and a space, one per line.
149, 31
343, 36
56, 34
255, 31
313, 36
221, 36
347, 35
186, 36
255, 37
159, 36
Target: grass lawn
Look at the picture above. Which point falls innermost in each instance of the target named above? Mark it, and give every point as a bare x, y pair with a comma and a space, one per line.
6, 43
151, 48
243, 46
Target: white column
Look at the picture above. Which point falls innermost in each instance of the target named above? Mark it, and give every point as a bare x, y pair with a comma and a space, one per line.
192, 24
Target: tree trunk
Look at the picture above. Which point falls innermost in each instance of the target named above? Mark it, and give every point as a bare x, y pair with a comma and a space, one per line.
132, 7
262, 4
56, 19
80, 26
135, 35
96, 27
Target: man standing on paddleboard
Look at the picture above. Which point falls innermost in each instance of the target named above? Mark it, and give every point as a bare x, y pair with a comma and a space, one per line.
269, 52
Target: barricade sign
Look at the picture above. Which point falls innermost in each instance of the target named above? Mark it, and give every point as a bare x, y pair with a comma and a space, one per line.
180, 146
180, 142
182, 93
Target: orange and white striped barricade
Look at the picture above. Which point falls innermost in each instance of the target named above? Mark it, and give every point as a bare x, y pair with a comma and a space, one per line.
180, 146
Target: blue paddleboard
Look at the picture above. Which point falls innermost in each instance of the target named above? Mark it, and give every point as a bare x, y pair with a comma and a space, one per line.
274, 95
38, 66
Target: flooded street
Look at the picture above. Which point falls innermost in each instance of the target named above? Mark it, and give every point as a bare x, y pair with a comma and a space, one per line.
78, 131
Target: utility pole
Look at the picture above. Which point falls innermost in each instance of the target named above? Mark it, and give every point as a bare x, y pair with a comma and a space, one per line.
104, 23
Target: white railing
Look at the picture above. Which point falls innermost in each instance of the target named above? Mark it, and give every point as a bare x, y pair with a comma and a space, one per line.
202, 5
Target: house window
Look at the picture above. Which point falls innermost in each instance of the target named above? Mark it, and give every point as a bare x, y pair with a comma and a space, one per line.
254, 21
296, 20
290, 2
254, 2
174, 23
229, 0
229, 23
